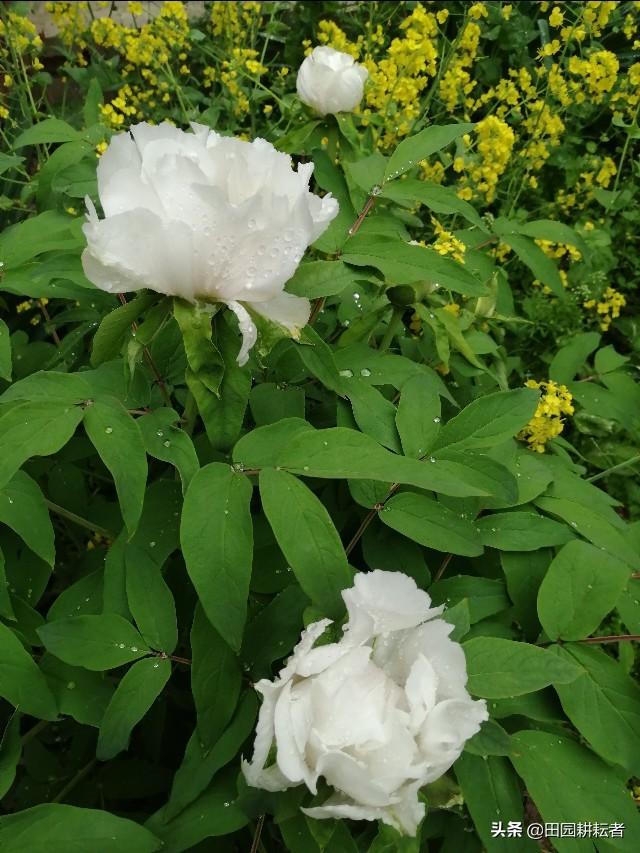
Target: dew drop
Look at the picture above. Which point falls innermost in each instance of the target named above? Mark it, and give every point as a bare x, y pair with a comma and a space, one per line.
134, 648
71, 685
166, 443
152, 544
346, 373
108, 430
436, 420
365, 372
432, 459
121, 645
159, 433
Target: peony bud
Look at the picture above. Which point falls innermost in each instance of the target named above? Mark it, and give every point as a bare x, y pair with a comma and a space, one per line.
379, 714
330, 81
207, 218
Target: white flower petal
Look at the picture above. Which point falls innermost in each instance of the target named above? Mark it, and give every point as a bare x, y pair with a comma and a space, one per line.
390, 600
205, 217
287, 310
248, 330
446, 729
330, 81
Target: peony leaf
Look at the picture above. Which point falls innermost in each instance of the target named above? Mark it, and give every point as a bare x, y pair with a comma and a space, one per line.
422, 145
308, 539
58, 828
97, 642
568, 783
431, 524
500, 668
217, 542
582, 585
602, 700
134, 696
117, 438
22, 683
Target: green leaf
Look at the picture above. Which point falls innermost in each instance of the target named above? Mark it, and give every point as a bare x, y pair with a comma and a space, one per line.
345, 453
5, 352
327, 175
603, 700
223, 415
212, 815
485, 596
165, 440
532, 256
316, 279
422, 145
431, 524
590, 524
490, 420
274, 631
556, 232
570, 784
37, 428
607, 360
491, 793
215, 679
10, 752
116, 436
205, 361
49, 231
270, 403
80, 694
572, 356
524, 572
492, 739
150, 600
115, 328
21, 682
521, 531
402, 263
199, 766
94, 642
374, 414
500, 668
46, 385
49, 130
319, 359
6, 608
308, 539
135, 694
57, 828
442, 200
581, 586
418, 416
24, 510
217, 542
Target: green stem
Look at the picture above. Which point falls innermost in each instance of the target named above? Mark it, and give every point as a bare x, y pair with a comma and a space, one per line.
392, 328
77, 519
71, 784
631, 461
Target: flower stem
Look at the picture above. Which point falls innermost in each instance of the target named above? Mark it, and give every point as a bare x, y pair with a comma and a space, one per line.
79, 520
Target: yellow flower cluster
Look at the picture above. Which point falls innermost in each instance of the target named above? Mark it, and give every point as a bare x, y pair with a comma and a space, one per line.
20, 45
447, 243
242, 60
495, 140
457, 84
398, 76
598, 74
607, 307
71, 22
547, 422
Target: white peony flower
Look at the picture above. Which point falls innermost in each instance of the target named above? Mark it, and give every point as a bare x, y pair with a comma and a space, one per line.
378, 715
204, 217
330, 81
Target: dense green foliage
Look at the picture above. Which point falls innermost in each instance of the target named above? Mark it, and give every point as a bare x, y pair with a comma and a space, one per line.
170, 521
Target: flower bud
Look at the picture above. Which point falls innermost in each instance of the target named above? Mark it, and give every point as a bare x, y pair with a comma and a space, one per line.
207, 218
378, 714
330, 81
